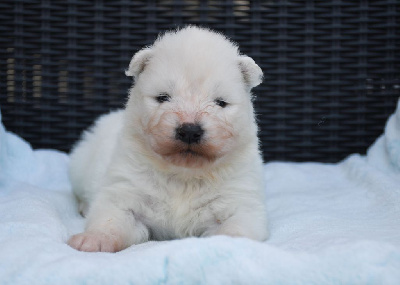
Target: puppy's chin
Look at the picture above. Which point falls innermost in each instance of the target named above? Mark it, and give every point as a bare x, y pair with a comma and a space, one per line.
193, 156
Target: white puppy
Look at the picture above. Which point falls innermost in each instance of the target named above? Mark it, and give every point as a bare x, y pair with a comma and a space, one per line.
182, 159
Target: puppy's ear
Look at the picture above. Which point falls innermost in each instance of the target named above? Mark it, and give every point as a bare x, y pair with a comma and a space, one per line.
251, 72
138, 62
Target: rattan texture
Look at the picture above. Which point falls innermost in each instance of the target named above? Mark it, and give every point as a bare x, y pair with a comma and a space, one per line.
331, 68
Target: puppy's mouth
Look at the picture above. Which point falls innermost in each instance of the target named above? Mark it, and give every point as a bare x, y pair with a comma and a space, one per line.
194, 152
190, 152
189, 156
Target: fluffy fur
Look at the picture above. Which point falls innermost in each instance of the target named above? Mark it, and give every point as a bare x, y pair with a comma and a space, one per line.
136, 181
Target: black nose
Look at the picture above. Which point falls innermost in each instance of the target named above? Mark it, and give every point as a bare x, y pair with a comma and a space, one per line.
189, 133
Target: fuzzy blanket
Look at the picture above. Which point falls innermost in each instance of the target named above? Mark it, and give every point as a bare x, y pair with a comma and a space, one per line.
329, 223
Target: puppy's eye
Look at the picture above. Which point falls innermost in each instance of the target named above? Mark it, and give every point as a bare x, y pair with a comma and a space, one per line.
220, 102
162, 97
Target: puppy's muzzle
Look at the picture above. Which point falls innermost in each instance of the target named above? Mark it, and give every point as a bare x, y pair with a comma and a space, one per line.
189, 133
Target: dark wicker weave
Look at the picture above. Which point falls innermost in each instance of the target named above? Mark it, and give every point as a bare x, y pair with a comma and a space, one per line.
331, 68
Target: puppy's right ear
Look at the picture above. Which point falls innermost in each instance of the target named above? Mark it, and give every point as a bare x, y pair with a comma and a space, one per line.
138, 62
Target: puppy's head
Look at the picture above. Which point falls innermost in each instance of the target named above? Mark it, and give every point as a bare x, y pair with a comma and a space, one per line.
191, 105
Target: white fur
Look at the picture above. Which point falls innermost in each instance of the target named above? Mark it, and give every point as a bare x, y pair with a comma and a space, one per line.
125, 171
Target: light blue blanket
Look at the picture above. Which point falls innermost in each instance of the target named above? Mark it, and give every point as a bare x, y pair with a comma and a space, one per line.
329, 224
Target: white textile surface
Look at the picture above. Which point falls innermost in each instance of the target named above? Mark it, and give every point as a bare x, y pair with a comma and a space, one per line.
329, 223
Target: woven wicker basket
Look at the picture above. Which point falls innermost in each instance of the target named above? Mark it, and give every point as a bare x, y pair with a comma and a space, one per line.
332, 68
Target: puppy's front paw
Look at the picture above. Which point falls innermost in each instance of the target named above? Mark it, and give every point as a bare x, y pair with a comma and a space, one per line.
95, 241
259, 233
231, 231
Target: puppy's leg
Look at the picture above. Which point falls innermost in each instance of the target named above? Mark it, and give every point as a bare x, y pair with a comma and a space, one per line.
83, 208
110, 228
242, 224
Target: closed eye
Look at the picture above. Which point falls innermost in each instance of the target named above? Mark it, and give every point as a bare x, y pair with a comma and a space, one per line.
163, 97
220, 102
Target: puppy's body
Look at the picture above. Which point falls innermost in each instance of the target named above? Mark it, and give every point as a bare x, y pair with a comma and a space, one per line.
138, 175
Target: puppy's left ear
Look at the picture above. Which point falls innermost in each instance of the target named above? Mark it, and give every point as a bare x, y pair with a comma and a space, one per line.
139, 62
251, 72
